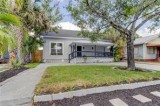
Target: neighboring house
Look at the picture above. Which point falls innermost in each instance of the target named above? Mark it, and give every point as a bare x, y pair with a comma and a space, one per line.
67, 46
147, 48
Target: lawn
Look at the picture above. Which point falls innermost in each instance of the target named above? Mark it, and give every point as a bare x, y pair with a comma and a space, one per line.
32, 65
66, 78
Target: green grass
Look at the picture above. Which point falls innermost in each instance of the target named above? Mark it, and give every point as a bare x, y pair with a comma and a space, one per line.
66, 78
32, 65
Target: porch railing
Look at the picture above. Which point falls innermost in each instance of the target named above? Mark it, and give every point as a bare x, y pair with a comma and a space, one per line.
76, 54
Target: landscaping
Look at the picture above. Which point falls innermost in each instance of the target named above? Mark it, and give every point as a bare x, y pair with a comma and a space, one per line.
10, 72
32, 65
67, 78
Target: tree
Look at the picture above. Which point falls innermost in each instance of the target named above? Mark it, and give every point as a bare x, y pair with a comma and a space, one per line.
7, 21
30, 46
126, 16
32, 17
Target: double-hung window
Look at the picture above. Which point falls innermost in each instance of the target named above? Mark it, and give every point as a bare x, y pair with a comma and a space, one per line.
56, 48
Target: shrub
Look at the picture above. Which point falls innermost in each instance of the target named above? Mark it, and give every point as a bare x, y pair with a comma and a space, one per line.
16, 64
85, 59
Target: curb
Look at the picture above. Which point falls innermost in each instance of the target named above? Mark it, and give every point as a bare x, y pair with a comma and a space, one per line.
84, 92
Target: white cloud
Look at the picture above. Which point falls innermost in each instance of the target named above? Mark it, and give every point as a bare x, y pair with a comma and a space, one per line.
146, 32
68, 26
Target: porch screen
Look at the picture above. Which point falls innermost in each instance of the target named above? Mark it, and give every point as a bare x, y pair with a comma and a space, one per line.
56, 49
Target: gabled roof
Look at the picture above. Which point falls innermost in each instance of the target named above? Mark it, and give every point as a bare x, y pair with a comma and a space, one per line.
62, 33
145, 39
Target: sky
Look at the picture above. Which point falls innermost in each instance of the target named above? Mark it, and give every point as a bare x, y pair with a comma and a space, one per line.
67, 22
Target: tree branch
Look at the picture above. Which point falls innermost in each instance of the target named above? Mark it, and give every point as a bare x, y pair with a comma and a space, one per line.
139, 12
147, 19
112, 23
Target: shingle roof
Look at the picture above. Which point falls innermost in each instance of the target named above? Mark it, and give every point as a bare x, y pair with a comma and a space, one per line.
62, 33
145, 39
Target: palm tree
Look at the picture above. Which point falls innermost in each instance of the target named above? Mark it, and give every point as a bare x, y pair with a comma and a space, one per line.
7, 22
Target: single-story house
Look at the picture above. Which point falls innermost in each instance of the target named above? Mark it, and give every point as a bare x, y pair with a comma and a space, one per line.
68, 46
147, 48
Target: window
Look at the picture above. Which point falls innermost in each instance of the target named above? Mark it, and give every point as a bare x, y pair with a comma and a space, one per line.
56, 49
151, 50
136, 50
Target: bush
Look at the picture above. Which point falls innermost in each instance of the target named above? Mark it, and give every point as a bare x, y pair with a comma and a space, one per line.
16, 64
85, 59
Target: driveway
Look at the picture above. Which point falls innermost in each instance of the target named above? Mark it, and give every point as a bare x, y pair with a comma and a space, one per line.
144, 65
19, 90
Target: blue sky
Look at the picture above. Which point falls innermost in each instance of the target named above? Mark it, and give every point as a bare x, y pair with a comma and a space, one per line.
66, 23
63, 10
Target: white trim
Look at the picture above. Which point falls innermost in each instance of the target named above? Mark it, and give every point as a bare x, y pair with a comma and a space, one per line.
56, 43
64, 37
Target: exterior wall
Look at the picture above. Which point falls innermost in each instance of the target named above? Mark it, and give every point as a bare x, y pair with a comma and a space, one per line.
147, 55
56, 58
92, 60
140, 53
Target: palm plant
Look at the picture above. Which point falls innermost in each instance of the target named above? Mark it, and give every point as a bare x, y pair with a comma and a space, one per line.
8, 20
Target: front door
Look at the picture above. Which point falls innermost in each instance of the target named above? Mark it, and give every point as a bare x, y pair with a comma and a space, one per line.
79, 51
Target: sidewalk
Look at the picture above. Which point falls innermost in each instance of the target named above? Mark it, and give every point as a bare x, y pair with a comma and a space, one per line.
19, 89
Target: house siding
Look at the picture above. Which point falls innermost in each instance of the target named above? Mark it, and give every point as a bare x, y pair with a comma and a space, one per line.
59, 58
140, 54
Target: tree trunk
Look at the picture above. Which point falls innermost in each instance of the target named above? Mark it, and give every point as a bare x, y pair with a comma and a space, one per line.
130, 51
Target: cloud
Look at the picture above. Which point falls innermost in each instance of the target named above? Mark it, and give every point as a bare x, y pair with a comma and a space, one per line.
68, 26
146, 32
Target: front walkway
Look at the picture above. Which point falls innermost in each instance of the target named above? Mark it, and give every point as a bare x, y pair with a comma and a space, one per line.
19, 89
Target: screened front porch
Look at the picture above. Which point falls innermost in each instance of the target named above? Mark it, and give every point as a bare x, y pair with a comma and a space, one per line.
91, 50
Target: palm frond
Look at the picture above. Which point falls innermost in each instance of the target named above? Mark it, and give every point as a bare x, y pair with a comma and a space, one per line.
10, 18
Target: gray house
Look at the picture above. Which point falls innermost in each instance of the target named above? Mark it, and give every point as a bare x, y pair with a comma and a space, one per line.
147, 48
67, 46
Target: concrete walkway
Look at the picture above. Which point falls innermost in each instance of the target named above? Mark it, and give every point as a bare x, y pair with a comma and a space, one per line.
19, 90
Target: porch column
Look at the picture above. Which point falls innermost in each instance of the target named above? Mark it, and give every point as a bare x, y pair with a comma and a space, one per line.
75, 50
104, 52
95, 51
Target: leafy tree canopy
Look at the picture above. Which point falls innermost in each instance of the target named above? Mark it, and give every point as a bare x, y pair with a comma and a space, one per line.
123, 15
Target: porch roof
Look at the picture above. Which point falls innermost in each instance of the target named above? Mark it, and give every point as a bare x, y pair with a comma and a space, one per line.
153, 45
88, 42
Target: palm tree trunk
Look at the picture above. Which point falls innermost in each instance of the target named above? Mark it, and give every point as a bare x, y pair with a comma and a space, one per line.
20, 43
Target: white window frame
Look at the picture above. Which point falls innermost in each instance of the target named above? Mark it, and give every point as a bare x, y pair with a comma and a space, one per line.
56, 44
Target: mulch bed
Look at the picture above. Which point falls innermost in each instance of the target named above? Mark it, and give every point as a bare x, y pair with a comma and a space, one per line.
10, 73
102, 99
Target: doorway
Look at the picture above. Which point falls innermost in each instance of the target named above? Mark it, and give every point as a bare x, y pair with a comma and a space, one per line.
158, 51
79, 51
